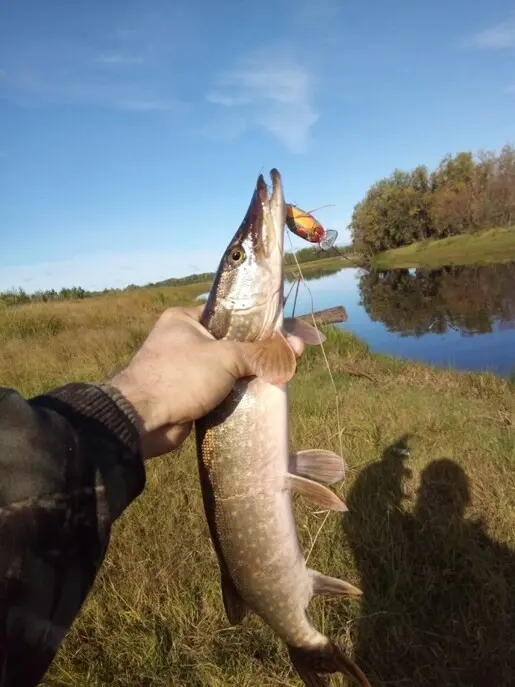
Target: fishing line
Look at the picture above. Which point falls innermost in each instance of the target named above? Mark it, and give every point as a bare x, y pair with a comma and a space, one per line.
291, 289
342, 255
308, 213
317, 535
295, 301
340, 431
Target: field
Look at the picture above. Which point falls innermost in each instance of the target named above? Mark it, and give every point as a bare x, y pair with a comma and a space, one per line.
494, 245
429, 537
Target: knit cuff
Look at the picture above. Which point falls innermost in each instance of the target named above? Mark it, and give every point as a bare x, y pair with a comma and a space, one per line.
105, 404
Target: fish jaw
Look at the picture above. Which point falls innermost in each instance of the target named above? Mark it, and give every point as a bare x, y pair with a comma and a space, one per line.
245, 301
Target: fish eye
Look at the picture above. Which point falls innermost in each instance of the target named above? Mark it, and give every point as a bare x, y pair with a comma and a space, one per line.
237, 255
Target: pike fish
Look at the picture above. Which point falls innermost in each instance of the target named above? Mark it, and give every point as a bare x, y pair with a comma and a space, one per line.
245, 469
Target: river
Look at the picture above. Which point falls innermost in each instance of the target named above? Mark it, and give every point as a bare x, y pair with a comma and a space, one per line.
461, 317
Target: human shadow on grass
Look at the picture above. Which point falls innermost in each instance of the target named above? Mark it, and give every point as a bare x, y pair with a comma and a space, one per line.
438, 592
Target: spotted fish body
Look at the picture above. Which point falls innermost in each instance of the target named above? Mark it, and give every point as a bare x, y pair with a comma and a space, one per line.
253, 510
245, 469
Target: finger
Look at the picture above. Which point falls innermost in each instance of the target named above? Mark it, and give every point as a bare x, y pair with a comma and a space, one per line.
297, 344
189, 316
164, 439
195, 312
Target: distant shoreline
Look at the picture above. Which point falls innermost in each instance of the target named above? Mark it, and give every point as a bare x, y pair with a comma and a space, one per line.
20, 297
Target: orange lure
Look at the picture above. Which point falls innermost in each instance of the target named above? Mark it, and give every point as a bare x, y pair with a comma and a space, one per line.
303, 224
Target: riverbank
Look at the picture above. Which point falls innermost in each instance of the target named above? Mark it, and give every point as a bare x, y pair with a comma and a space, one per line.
491, 246
437, 581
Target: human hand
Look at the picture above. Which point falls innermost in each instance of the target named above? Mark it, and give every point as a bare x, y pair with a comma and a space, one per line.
180, 373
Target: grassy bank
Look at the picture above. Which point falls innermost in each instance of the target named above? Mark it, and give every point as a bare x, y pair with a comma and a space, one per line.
322, 267
430, 536
494, 245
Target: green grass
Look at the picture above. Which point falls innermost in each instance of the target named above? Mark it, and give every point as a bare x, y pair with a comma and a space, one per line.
351, 260
491, 246
429, 537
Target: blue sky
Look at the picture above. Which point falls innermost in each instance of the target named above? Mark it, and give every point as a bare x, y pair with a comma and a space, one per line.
131, 133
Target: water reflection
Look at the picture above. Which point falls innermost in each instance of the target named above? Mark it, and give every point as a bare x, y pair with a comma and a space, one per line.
313, 274
473, 300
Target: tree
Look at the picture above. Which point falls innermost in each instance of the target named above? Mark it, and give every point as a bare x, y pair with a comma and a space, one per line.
462, 195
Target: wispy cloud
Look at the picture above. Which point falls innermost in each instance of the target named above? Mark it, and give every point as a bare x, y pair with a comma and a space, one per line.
143, 105
498, 37
228, 100
130, 71
276, 94
35, 87
118, 59
510, 89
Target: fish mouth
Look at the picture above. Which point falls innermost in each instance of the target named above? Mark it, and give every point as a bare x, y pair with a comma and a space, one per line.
266, 216
246, 298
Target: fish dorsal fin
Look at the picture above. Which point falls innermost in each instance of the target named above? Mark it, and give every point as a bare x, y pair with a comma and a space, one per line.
235, 607
323, 585
321, 466
315, 492
273, 359
304, 330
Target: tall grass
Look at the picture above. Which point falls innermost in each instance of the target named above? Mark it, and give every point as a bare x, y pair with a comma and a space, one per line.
430, 541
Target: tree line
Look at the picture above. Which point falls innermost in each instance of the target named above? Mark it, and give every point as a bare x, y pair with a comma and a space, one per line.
20, 296
464, 194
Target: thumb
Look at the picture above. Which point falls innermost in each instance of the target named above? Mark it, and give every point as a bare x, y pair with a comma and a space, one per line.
266, 359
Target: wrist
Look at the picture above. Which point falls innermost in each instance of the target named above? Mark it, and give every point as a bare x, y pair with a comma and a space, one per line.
132, 398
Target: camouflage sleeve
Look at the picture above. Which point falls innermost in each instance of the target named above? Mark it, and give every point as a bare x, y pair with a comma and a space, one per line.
70, 463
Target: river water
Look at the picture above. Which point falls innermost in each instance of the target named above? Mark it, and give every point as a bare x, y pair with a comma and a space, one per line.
461, 317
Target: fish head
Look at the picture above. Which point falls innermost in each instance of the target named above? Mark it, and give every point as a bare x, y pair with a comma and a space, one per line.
246, 299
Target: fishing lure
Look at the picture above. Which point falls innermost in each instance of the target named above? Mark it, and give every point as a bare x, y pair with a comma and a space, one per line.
305, 225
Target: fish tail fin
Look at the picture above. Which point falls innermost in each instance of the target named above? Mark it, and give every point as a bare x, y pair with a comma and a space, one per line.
309, 662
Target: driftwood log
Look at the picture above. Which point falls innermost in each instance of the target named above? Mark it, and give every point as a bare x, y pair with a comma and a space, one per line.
327, 316
333, 316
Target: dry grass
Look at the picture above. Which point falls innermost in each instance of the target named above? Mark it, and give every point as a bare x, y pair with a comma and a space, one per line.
430, 537
484, 247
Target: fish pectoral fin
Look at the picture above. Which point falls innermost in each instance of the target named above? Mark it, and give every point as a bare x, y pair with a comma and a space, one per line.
323, 585
235, 607
315, 492
305, 331
273, 359
321, 466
